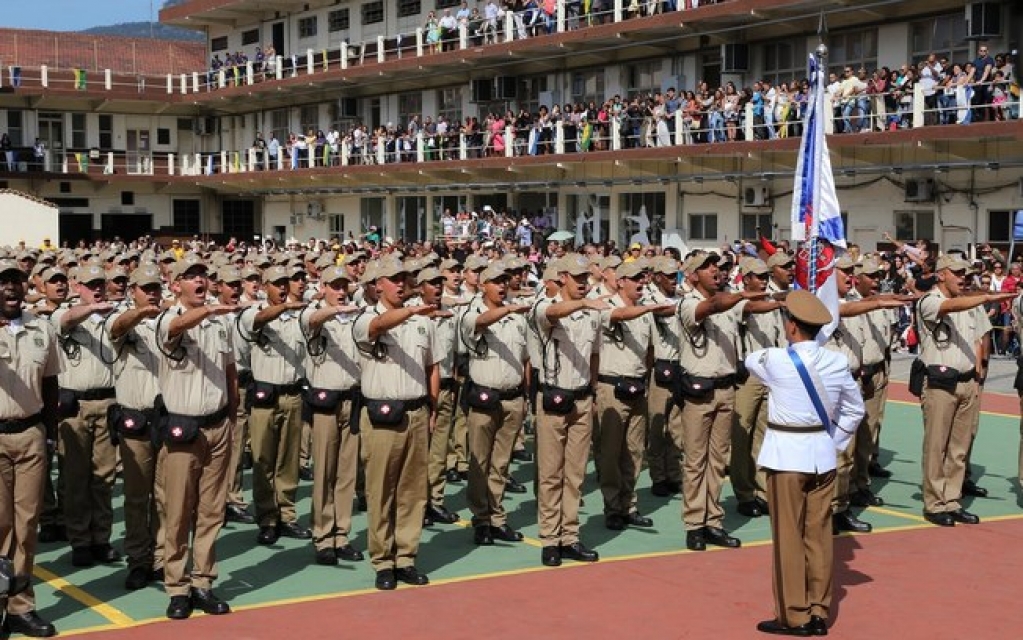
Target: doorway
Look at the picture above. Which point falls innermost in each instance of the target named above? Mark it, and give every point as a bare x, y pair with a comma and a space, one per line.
139, 157
127, 226
277, 37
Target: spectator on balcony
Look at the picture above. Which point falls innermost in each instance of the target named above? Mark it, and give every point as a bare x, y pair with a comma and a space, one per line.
39, 155
770, 101
570, 126
672, 102
497, 141
270, 67
448, 31
273, 150
430, 138
905, 86
259, 63
334, 146
475, 25
659, 114
259, 151
7, 153
491, 14
853, 98
691, 117
930, 71
432, 30
999, 95
463, 13
983, 74
521, 126
299, 151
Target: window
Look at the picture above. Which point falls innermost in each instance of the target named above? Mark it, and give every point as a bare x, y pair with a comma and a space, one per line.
749, 222
703, 226
943, 35
853, 49
911, 226
78, 138
307, 27
588, 216
218, 44
449, 105
999, 226
448, 4
531, 94
784, 62
14, 128
373, 12
371, 214
309, 116
163, 136
250, 37
642, 78
409, 104
338, 20
642, 218
588, 86
186, 216
336, 225
408, 8
279, 125
127, 198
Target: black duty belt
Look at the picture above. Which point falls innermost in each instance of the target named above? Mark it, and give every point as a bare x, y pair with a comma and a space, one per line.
868, 370
579, 392
416, 404
791, 428
448, 384
214, 419
503, 394
104, 393
725, 382
292, 389
244, 377
969, 375
18, 425
613, 380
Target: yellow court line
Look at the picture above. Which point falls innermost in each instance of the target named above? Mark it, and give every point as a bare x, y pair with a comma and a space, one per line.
996, 414
112, 614
898, 514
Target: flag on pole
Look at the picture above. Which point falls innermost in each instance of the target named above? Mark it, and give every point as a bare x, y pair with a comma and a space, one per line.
80, 79
816, 216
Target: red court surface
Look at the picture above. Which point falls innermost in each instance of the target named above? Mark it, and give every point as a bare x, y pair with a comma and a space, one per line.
917, 582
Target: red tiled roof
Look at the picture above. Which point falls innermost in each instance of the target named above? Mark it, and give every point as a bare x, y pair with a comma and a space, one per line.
65, 50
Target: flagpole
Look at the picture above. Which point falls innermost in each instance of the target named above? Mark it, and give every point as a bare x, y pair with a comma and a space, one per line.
818, 148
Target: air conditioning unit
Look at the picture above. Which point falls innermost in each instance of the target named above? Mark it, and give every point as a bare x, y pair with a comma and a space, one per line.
983, 20
756, 197
919, 190
735, 57
314, 209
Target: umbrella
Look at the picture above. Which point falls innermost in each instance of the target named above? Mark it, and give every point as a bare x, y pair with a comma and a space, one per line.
561, 236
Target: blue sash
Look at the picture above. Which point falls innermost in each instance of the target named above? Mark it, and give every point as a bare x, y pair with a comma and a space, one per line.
811, 390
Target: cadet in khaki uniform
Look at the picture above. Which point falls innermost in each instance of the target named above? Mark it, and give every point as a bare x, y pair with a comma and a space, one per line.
28, 418
947, 348
51, 520
622, 395
458, 459
199, 383
86, 454
495, 335
133, 332
665, 428
234, 288
799, 455
569, 335
275, 422
333, 370
709, 353
399, 376
759, 331
431, 286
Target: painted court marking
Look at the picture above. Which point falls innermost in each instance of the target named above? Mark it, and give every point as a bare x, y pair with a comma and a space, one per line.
114, 615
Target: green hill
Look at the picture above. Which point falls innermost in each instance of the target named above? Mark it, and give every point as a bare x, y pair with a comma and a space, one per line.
145, 30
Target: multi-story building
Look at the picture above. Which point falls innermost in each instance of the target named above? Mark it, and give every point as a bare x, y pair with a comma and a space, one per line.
175, 149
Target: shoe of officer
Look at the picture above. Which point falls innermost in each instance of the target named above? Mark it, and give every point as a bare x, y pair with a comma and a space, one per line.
504, 533
440, 514
818, 626
964, 516
82, 557
875, 470
764, 508
385, 580
293, 530
305, 474
247, 460
105, 553
157, 575
666, 488
695, 540
348, 553
180, 608
51, 533
615, 522
550, 556
138, 578
451, 475
268, 535
29, 624
521, 455
637, 519
719, 537
776, 628
750, 509
360, 504
866, 498
941, 519
411, 575
326, 557
238, 513
846, 521
482, 536
577, 551
208, 602
970, 488
511, 485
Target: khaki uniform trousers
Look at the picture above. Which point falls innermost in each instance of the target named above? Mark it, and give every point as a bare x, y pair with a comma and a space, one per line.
275, 433
305, 449
396, 459
748, 427
194, 480
439, 441
491, 442
458, 454
868, 436
706, 437
141, 522
239, 434
665, 430
335, 461
622, 439
562, 449
948, 426
53, 506
844, 463
88, 466
22, 476
803, 544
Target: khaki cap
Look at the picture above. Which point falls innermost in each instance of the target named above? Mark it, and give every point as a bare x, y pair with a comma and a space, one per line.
388, 268
698, 261
188, 263
550, 273
49, 273
229, 273
953, 262
806, 307
514, 263
89, 273
779, 259
117, 272
369, 276
10, 265
249, 272
845, 262
429, 274
330, 274
493, 272
868, 266
476, 263
631, 269
573, 264
145, 275
610, 262
666, 264
451, 265
168, 256
753, 265
326, 260
262, 261
275, 274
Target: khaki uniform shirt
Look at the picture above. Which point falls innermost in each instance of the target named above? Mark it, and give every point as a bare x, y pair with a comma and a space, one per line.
566, 346
709, 348
28, 353
497, 354
194, 380
624, 346
446, 338
667, 330
533, 345
90, 349
138, 364
848, 340
948, 340
278, 355
407, 351
332, 359
875, 329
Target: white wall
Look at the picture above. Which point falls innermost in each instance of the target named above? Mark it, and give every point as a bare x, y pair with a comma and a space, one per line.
35, 220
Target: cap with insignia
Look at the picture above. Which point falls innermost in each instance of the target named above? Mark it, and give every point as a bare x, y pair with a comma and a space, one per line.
190, 262
844, 263
369, 276
49, 273
631, 269
450, 265
117, 272
330, 274
779, 259
89, 273
145, 275
275, 274
168, 256
262, 261
476, 263
493, 272
806, 307
953, 262
573, 264
868, 267
10, 265
429, 274
699, 260
251, 272
753, 265
610, 262
389, 267
229, 273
